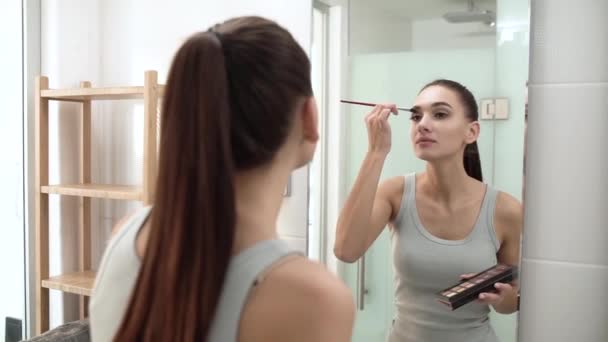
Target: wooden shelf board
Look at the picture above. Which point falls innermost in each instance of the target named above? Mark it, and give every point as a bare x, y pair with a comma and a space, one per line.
120, 192
80, 283
83, 94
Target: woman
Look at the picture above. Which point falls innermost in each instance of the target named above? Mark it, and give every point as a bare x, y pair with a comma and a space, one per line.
205, 263
445, 222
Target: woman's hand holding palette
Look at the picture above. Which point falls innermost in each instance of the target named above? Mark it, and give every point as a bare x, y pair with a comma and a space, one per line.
468, 290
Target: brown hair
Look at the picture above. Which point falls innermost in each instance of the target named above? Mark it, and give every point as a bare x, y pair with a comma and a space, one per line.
229, 103
471, 159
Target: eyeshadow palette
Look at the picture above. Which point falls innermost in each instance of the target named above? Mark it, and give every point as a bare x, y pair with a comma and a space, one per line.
468, 290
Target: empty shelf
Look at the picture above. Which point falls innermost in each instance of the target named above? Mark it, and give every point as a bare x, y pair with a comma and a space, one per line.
121, 192
82, 94
80, 283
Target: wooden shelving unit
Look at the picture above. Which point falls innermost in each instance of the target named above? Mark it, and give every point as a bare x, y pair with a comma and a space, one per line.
81, 282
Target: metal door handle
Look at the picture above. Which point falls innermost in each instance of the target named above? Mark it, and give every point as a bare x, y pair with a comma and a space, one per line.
361, 290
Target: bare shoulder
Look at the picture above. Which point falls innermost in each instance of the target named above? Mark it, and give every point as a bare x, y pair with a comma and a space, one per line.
508, 215
508, 207
299, 300
393, 185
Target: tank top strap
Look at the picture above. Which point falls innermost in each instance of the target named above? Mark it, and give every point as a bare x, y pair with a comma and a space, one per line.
133, 226
243, 272
485, 223
123, 244
407, 199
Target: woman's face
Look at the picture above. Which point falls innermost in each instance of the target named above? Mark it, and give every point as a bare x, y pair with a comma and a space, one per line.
440, 128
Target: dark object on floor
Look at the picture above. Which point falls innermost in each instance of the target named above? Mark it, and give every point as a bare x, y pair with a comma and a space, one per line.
77, 331
14, 329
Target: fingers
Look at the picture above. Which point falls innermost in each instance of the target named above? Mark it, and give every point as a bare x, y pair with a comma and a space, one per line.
493, 298
502, 287
384, 114
392, 108
373, 113
488, 297
382, 111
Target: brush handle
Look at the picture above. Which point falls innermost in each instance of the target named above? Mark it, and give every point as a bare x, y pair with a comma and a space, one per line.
371, 104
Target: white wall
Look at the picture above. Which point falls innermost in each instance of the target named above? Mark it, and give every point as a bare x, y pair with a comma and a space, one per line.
566, 195
113, 42
336, 147
69, 54
375, 31
437, 34
142, 35
12, 263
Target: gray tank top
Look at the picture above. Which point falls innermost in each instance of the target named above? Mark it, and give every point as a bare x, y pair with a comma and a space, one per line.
120, 266
425, 264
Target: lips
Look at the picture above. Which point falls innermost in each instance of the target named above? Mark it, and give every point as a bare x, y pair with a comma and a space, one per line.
425, 141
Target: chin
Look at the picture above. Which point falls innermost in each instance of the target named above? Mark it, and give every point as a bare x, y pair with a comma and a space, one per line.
425, 155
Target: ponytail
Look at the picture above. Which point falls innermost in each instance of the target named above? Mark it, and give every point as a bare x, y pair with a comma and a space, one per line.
193, 222
472, 162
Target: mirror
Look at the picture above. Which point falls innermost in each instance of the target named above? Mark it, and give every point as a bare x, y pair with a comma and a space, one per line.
395, 48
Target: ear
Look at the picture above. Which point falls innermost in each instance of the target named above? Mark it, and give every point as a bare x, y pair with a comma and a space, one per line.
472, 132
310, 120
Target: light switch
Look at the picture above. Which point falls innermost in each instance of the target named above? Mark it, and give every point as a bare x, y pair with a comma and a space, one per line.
487, 109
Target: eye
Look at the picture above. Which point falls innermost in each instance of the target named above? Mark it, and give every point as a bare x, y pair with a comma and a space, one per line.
440, 115
416, 117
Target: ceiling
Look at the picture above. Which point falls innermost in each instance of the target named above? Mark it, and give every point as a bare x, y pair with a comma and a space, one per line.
422, 9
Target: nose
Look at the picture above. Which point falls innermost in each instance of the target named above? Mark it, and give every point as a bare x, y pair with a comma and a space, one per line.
424, 124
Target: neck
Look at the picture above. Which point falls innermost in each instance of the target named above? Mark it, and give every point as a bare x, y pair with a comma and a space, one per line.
259, 195
446, 180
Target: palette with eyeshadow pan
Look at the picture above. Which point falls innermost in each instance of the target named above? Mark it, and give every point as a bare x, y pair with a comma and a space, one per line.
468, 290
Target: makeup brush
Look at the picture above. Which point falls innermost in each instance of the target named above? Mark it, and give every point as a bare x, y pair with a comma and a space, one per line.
371, 105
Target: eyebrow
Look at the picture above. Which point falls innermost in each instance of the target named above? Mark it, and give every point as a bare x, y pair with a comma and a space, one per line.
437, 104
416, 109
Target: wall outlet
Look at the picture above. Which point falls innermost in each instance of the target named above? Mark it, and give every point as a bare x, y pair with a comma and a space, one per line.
494, 108
501, 109
14, 330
